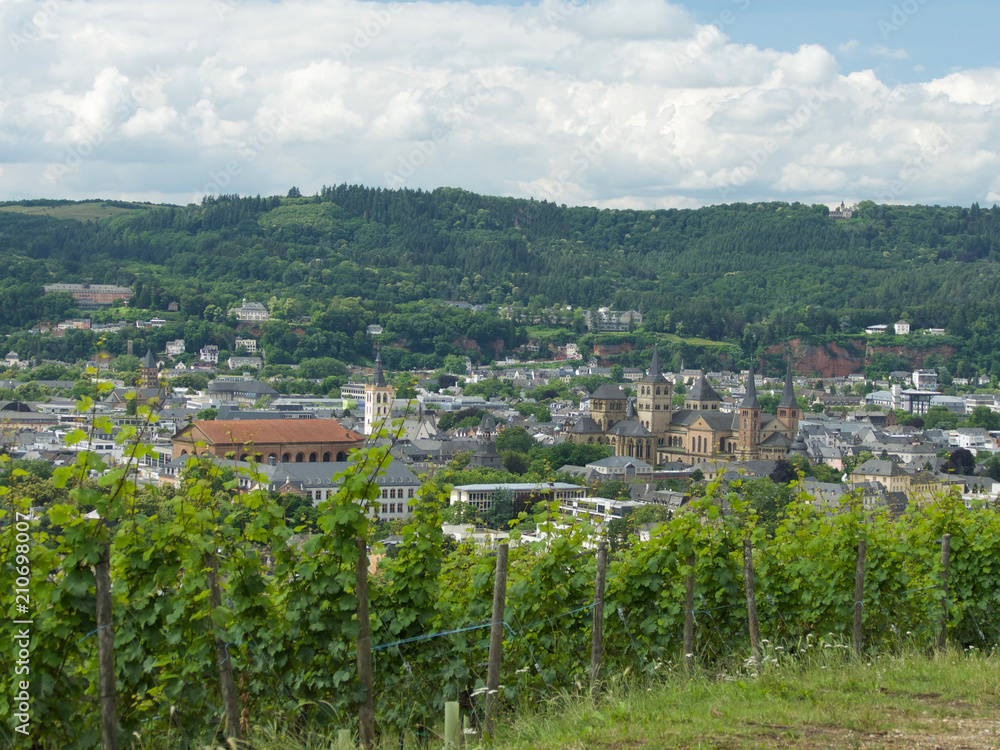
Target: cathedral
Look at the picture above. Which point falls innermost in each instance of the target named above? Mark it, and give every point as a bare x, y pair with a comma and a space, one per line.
650, 429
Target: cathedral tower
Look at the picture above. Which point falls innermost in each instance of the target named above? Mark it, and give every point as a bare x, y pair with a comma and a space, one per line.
655, 397
789, 412
749, 436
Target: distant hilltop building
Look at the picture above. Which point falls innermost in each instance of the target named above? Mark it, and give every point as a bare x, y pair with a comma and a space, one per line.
92, 296
250, 311
843, 212
610, 321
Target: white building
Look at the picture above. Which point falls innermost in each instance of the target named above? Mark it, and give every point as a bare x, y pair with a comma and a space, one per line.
236, 362
175, 348
209, 354
250, 344
925, 380
902, 328
250, 311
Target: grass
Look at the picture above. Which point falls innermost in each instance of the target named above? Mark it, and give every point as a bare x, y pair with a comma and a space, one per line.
896, 701
75, 211
824, 698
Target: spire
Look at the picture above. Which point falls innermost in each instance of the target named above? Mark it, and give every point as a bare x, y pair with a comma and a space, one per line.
788, 395
149, 361
655, 373
379, 380
750, 400
630, 409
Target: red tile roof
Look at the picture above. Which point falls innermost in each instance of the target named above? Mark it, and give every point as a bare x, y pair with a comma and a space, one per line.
268, 431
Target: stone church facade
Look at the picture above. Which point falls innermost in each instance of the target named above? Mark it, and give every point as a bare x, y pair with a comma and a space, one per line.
649, 428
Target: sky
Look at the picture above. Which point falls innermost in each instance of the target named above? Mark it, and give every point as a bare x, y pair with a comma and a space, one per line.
609, 103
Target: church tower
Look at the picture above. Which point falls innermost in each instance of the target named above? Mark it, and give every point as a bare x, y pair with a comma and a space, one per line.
749, 437
149, 377
789, 412
655, 398
378, 399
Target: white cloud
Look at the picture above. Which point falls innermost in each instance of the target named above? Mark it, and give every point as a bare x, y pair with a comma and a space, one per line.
611, 103
880, 50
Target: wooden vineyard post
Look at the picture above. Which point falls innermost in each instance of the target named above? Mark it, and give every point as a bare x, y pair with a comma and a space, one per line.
226, 684
689, 616
496, 641
751, 599
859, 593
106, 651
366, 712
945, 564
597, 636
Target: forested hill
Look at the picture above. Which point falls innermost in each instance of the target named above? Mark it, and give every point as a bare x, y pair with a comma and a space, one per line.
754, 274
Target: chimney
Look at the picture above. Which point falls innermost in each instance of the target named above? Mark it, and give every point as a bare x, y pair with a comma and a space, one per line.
272, 460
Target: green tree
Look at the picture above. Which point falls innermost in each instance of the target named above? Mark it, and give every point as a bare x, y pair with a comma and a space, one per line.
501, 511
514, 440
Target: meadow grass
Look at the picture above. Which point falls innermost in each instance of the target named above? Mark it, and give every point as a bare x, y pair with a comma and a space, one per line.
821, 696
74, 211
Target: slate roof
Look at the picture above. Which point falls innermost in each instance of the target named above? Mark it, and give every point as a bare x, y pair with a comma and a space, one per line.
788, 395
655, 374
608, 392
586, 426
750, 400
702, 391
776, 439
629, 428
879, 468
250, 387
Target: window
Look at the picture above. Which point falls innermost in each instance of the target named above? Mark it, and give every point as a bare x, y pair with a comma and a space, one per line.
299, 458
286, 457
312, 458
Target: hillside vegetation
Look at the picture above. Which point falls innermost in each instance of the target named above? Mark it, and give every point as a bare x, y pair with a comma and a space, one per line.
753, 275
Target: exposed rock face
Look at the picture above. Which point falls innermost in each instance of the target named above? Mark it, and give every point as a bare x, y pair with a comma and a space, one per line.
832, 360
608, 350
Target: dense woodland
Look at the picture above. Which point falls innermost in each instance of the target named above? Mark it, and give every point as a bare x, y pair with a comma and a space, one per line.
747, 275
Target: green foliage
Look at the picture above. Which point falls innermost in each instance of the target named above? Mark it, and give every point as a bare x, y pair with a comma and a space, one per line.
514, 439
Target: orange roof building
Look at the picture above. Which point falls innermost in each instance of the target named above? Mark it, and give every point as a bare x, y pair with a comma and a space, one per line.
263, 440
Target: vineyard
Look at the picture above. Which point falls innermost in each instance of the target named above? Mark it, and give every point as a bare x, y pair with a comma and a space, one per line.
225, 598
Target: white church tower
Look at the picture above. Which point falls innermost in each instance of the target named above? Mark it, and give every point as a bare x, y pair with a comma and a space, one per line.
378, 399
